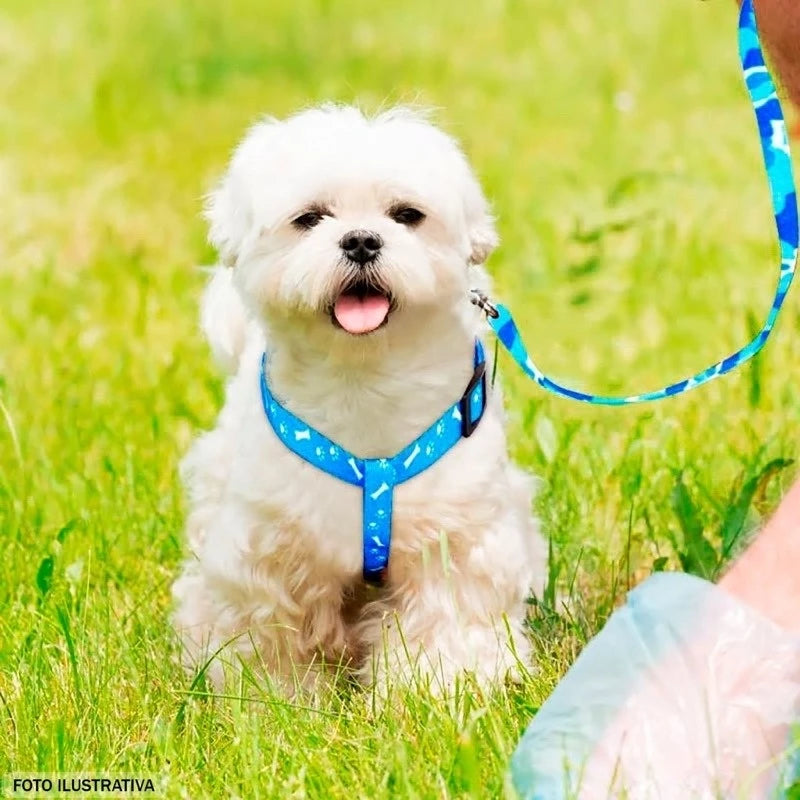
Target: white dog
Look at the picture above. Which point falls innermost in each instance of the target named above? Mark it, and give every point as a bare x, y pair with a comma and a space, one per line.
350, 245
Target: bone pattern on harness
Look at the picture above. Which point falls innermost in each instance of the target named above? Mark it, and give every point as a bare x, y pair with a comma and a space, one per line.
377, 477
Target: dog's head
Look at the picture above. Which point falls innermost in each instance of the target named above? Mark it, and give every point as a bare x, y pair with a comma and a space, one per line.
347, 222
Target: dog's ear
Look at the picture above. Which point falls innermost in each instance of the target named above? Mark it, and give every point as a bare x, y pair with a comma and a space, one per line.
481, 229
229, 207
229, 215
483, 239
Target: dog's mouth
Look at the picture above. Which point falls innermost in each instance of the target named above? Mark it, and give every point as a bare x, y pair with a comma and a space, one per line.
361, 307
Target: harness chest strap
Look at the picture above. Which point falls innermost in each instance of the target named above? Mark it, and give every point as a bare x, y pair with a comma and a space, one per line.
377, 477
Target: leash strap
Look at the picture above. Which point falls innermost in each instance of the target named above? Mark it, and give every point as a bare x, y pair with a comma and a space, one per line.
777, 160
377, 477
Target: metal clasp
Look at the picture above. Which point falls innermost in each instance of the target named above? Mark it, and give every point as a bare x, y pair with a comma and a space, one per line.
478, 298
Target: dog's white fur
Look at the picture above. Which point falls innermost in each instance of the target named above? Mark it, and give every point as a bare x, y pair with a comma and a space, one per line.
276, 545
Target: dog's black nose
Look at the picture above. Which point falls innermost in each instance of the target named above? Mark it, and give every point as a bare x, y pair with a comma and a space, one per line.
361, 246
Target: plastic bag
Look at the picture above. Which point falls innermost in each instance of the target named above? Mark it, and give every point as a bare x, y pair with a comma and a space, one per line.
686, 693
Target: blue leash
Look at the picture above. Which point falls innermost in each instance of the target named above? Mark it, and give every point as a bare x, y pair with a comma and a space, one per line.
777, 160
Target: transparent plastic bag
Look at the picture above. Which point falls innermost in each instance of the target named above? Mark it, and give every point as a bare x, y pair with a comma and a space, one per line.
686, 693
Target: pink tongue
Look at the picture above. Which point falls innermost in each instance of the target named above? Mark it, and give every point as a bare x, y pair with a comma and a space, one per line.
361, 314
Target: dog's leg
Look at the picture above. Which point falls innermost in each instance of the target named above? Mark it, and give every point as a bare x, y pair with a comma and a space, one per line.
270, 611
298, 651
462, 612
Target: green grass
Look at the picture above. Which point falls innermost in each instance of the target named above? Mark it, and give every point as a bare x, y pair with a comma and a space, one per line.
637, 246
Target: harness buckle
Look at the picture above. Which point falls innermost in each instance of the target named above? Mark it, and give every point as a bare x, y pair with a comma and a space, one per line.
468, 422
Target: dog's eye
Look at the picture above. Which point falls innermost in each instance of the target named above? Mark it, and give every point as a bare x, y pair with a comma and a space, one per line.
407, 215
309, 219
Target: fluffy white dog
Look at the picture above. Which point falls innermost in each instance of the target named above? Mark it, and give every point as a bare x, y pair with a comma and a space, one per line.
349, 245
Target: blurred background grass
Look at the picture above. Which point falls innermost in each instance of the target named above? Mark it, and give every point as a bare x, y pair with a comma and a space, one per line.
618, 149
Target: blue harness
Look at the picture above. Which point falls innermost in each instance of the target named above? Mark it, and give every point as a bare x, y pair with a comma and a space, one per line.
377, 477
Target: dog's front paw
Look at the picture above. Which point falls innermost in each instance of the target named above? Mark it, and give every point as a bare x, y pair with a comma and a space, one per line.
483, 656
